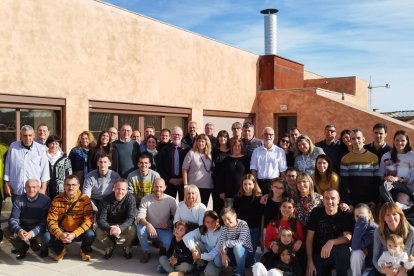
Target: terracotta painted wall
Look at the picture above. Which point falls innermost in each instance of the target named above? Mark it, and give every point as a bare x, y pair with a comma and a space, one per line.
315, 111
85, 50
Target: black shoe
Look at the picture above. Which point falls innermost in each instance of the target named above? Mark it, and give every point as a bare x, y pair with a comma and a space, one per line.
21, 255
162, 252
127, 253
44, 253
108, 253
15, 251
34, 245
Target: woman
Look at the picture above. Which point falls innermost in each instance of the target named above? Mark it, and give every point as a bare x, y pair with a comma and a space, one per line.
397, 168
151, 145
346, 141
234, 167
198, 167
191, 210
307, 153
324, 177
220, 152
102, 146
284, 143
306, 198
392, 221
79, 155
59, 165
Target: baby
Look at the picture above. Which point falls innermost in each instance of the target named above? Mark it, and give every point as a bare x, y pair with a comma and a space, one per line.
395, 257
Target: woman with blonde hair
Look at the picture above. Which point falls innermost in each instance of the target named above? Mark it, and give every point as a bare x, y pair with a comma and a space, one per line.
79, 154
198, 167
306, 154
306, 198
392, 221
191, 210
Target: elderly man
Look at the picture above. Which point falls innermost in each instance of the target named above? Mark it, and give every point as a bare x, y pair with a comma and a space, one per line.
268, 161
27, 220
209, 131
116, 215
189, 138
140, 181
125, 152
136, 135
328, 238
26, 159
113, 134
170, 162
42, 133
154, 219
100, 182
70, 219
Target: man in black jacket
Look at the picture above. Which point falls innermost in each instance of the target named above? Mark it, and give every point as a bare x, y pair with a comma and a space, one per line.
116, 216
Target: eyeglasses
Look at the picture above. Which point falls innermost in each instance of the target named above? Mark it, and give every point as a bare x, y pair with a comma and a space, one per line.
235, 128
284, 141
268, 134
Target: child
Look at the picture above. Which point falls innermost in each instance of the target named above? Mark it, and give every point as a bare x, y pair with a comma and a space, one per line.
403, 201
179, 260
284, 239
287, 262
395, 257
234, 242
203, 241
362, 240
276, 194
248, 208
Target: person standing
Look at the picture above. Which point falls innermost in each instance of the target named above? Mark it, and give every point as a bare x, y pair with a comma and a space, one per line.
191, 135
42, 132
332, 147
125, 152
79, 154
378, 146
250, 142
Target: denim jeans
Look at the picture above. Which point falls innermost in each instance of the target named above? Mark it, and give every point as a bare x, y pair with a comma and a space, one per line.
255, 236
57, 245
237, 256
164, 236
183, 267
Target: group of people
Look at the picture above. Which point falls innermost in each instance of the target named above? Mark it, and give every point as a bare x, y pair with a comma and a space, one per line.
310, 207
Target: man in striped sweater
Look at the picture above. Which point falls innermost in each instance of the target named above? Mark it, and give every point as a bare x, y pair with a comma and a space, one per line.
70, 219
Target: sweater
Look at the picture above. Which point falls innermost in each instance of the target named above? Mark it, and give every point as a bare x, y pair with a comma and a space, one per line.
208, 241
324, 184
238, 235
58, 172
249, 209
125, 157
272, 231
78, 220
363, 236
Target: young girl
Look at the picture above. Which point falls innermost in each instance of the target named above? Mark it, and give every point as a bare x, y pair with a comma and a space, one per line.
202, 243
395, 257
179, 259
287, 261
276, 194
324, 177
285, 239
235, 241
248, 208
362, 240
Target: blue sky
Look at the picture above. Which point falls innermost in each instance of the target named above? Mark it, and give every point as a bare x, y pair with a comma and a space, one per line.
331, 38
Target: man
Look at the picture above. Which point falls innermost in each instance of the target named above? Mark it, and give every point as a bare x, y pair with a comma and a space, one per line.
329, 234
191, 134
42, 133
26, 159
154, 219
379, 146
170, 162
70, 219
268, 161
209, 131
250, 142
359, 173
125, 152
236, 129
294, 133
290, 177
140, 181
116, 215
136, 135
165, 139
113, 134
100, 182
149, 130
27, 220
332, 147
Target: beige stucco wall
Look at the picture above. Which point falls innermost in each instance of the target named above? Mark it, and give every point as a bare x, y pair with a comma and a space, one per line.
85, 50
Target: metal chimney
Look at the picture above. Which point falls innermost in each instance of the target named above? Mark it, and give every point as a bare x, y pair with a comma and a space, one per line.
270, 28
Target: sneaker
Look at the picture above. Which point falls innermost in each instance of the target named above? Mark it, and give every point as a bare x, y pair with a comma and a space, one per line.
146, 256
60, 256
85, 256
108, 253
127, 252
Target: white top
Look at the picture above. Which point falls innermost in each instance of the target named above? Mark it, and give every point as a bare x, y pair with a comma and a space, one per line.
208, 241
403, 168
157, 211
193, 215
268, 163
394, 261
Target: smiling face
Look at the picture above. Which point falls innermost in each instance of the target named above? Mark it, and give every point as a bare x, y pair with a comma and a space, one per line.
303, 146
229, 219
211, 223
286, 236
302, 185
287, 210
284, 143
143, 165
165, 136
277, 189
42, 133
190, 197
53, 146
322, 165
105, 139
120, 190
27, 137
151, 144
248, 186
84, 142
71, 187
201, 144
285, 256
176, 136
357, 140
158, 188
331, 201
222, 140
103, 165
400, 142
32, 188
392, 219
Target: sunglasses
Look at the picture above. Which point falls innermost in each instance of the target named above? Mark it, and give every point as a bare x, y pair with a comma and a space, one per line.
285, 141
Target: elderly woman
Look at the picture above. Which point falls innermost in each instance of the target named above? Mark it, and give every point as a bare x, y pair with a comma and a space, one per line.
102, 146
198, 167
59, 165
79, 155
392, 221
191, 210
306, 154
306, 198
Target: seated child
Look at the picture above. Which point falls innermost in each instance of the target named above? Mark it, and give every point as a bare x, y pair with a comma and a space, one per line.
179, 260
286, 262
395, 257
285, 239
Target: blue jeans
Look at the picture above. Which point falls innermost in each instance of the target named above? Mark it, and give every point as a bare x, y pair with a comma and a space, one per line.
237, 255
57, 245
164, 236
255, 236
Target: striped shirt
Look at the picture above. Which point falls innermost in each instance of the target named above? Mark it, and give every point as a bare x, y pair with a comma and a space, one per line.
238, 235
